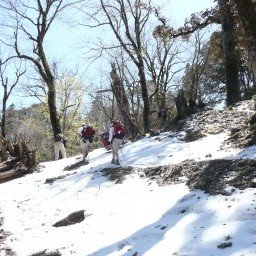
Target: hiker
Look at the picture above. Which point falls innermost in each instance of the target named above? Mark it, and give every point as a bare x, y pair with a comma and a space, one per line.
59, 146
116, 135
104, 140
162, 116
86, 134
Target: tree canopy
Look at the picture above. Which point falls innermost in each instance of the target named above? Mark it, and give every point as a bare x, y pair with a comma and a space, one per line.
135, 64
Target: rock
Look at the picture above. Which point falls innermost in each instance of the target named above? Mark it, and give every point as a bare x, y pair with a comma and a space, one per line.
45, 253
72, 219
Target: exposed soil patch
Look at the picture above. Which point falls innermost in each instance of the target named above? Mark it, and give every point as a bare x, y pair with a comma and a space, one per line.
117, 174
239, 121
212, 176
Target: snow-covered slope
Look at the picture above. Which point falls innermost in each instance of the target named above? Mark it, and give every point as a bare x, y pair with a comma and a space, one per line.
134, 217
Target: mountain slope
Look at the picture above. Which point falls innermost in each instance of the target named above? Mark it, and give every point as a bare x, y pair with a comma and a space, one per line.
154, 204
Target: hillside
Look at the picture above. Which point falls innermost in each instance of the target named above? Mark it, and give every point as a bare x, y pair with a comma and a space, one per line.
185, 192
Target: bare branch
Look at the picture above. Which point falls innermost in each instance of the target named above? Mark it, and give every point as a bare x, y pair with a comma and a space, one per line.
196, 22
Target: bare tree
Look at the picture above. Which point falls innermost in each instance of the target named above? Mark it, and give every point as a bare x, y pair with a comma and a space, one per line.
127, 20
163, 62
122, 102
221, 14
69, 99
8, 84
196, 68
30, 22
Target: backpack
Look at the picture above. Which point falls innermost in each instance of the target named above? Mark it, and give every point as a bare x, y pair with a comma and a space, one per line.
119, 130
104, 139
62, 138
88, 133
58, 137
104, 136
65, 140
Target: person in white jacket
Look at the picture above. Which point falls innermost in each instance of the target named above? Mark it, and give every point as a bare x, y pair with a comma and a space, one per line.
116, 143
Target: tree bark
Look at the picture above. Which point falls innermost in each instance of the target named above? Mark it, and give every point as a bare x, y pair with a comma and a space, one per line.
122, 103
181, 106
3, 121
144, 92
3, 150
231, 58
247, 14
52, 108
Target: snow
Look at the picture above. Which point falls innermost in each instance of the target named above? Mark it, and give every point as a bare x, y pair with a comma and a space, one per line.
136, 216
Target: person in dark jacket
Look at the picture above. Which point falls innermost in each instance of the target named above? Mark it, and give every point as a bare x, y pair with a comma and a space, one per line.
59, 146
85, 134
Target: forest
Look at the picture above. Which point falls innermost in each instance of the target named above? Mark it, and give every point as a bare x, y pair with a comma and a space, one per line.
149, 65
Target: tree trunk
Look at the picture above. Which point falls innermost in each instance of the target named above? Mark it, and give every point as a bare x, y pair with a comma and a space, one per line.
44, 12
23, 160
181, 106
2, 142
3, 121
122, 103
144, 92
231, 61
52, 107
3, 150
246, 11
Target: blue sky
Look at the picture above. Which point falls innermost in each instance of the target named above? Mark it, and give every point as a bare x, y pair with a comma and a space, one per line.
63, 41
67, 38
182, 9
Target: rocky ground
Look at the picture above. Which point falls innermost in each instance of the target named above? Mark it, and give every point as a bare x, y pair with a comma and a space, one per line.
6, 251
237, 120
212, 176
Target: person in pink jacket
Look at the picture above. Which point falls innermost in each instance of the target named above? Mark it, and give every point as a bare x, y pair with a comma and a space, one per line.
116, 135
